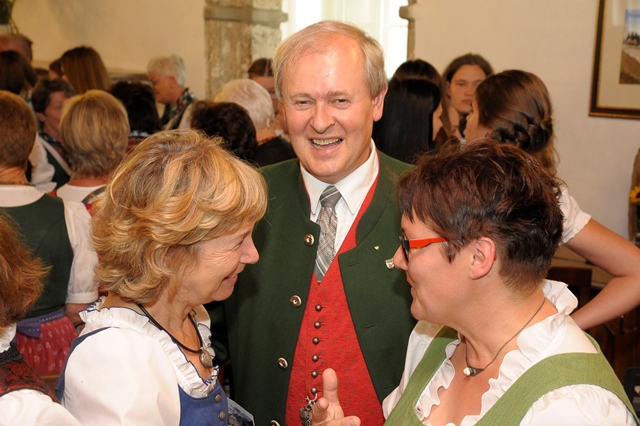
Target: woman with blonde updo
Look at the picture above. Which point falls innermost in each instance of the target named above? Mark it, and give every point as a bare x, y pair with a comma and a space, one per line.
172, 231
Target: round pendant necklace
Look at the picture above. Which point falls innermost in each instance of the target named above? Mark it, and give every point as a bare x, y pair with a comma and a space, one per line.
473, 371
205, 357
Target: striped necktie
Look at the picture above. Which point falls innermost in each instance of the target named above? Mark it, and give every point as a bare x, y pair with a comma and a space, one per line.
328, 221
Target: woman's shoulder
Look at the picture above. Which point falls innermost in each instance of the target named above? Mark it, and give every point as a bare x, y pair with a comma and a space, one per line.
578, 404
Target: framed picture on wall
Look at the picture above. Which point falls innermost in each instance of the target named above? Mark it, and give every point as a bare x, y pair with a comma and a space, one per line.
615, 91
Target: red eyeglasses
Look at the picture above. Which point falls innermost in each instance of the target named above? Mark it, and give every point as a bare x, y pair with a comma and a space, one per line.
410, 244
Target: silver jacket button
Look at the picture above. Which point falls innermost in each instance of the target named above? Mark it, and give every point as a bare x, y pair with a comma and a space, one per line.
283, 363
295, 301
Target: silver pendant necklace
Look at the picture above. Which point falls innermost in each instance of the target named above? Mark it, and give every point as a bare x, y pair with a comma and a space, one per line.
470, 371
205, 357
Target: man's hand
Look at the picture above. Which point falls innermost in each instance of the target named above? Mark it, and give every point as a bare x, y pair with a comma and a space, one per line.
327, 410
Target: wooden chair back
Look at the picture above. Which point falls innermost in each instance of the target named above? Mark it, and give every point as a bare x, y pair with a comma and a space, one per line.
577, 278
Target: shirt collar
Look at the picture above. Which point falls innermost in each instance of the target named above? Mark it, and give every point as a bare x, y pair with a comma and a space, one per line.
353, 188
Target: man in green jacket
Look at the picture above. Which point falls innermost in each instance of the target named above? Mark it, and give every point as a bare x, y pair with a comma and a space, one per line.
323, 294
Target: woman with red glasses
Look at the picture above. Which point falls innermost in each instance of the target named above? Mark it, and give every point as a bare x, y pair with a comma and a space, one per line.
480, 225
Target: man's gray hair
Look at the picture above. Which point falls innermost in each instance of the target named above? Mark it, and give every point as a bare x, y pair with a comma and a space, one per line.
169, 66
317, 38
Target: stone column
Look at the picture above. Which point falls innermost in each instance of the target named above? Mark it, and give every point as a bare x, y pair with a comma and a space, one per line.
410, 13
236, 33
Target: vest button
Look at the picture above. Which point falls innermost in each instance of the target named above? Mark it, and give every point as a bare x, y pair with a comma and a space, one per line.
318, 308
222, 415
218, 398
309, 240
295, 301
317, 324
315, 358
283, 363
314, 390
316, 340
314, 374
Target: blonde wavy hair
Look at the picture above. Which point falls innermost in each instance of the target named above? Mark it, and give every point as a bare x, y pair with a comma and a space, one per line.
175, 190
95, 131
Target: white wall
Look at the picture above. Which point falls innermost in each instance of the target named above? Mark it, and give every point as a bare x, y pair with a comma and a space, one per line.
555, 40
126, 33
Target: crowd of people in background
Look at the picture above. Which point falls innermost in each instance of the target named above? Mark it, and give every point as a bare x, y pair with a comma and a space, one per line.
129, 210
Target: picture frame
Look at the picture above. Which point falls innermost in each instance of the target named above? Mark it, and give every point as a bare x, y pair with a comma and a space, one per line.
615, 90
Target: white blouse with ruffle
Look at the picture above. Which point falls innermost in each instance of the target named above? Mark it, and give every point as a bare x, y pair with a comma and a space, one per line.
130, 372
571, 405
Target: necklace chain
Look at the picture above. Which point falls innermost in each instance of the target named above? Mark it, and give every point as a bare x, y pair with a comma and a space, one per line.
16, 183
473, 371
205, 357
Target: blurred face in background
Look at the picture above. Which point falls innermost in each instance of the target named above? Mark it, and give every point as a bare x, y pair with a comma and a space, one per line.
165, 88
50, 119
268, 83
462, 87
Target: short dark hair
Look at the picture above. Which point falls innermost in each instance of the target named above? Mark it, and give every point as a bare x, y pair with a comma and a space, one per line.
416, 69
139, 101
260, 68
488, 189
41, 96
16, 74
468, 59
229, 121
18, 125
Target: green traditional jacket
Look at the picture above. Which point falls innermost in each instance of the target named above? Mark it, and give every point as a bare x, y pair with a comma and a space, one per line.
258, 326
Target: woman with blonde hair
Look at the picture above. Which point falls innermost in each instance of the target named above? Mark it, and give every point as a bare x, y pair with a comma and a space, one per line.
95, 131
172, 231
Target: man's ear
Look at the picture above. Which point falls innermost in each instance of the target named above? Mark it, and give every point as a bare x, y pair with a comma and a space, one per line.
484, 257
40, 116
378, 104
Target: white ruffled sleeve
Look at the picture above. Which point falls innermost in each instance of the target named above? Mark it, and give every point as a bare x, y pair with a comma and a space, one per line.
578, 405
31, 407
120, 376
83, 287
574, 218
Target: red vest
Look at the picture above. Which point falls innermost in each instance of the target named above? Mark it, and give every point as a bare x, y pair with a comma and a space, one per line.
328, 339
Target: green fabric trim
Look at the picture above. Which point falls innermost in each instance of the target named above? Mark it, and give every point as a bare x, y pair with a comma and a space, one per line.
547, 375
403, 413
553, 373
